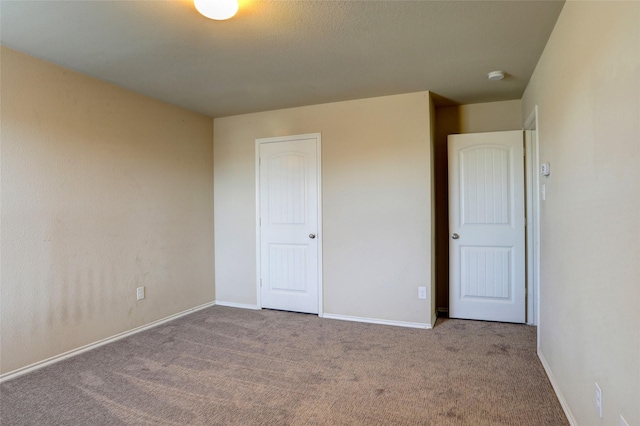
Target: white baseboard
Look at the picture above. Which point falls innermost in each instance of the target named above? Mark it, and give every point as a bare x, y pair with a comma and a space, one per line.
377, 321
40, 364
556, 388
237, 305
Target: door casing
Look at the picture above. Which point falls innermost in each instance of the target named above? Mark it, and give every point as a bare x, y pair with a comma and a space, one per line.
532, 199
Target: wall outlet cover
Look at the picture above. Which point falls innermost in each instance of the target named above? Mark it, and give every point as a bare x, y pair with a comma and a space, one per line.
422, 292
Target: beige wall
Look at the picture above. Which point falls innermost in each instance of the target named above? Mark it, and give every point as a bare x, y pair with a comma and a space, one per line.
102, 191
376, 169
587, 87
478, 118
475, 118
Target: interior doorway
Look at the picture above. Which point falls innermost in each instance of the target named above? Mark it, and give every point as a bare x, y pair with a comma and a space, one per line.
289, 238
487, 258
493, 116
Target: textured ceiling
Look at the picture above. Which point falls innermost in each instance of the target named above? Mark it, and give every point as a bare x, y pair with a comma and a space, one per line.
279, 54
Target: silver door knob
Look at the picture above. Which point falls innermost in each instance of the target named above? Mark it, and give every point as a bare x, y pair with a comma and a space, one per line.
455, 236
312, 236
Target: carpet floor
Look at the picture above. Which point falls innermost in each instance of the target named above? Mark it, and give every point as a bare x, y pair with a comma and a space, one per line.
226, 366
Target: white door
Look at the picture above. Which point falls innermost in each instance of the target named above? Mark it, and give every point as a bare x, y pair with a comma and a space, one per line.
487, 226
289, 223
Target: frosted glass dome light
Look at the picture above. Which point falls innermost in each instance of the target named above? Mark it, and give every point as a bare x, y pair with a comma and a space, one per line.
217, 9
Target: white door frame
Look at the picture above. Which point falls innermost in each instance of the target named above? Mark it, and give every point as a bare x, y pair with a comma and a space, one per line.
532, 167
319, 235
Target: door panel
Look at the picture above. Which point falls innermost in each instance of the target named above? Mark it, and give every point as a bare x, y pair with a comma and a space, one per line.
485, 186
486, 222
485, 272
289, 224
288, 267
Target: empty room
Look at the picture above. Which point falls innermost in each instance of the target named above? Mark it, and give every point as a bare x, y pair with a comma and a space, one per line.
244, 212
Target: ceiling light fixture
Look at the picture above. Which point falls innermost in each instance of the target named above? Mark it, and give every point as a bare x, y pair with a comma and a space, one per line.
495, 75
217, 9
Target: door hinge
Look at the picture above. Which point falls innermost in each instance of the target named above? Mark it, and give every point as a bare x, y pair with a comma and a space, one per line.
260, 282
259, 161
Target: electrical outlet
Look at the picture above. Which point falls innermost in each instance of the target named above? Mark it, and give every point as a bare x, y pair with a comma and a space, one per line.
422, 292
140, 293
599, 400
623, 422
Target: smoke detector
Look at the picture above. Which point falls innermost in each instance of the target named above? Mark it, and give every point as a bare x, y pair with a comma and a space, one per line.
495, 75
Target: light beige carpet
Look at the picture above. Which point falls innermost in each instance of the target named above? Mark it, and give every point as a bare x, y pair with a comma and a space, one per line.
225, 366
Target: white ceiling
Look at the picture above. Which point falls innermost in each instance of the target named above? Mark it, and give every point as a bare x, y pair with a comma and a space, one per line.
279, 54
